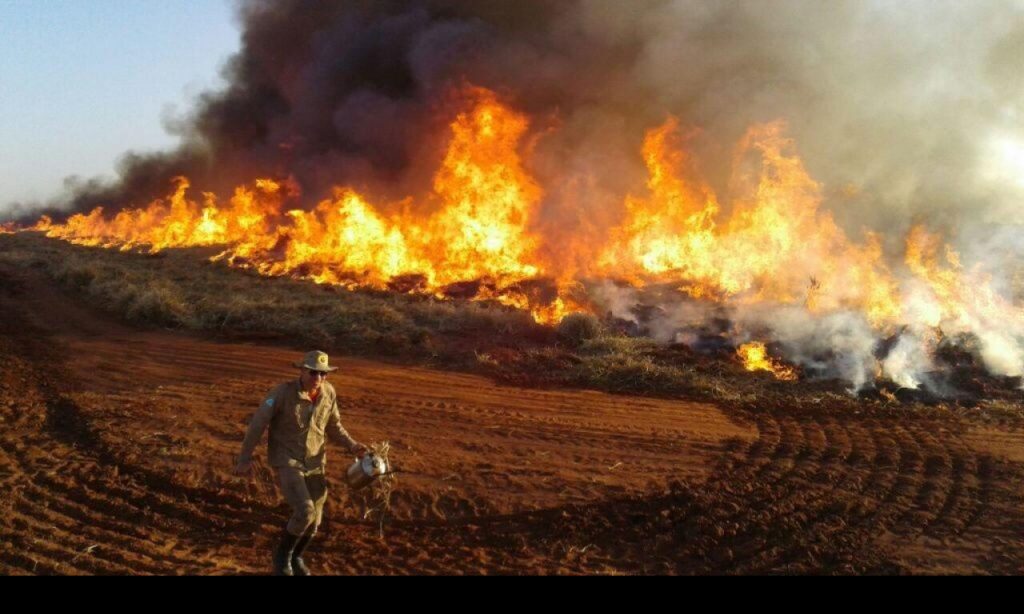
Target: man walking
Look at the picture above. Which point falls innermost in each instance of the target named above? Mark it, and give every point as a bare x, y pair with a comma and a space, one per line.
299, 414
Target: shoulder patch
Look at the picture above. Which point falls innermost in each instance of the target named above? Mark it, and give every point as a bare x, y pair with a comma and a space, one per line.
269, 402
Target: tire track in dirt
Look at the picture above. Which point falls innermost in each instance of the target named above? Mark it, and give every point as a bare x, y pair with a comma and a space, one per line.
812, 510
805, 512
68, 511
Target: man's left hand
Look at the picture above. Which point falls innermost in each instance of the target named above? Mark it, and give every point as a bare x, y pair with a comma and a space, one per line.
360, 450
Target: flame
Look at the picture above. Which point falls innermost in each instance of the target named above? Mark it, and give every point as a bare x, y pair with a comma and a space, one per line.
755, 358
776, 245
488, 199
767, 239
957, 300
176, 222
554, 312
483, 198
672, 233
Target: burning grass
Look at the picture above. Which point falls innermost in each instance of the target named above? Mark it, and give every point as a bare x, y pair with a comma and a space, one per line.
182, 289
763, 266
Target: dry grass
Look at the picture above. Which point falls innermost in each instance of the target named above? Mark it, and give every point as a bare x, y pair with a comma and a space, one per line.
377, 497
182, 289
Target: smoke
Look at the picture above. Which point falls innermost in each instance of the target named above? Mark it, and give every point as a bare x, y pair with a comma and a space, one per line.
615, 301
906, 361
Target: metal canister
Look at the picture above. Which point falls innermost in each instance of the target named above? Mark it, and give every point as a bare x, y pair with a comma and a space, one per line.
365, 470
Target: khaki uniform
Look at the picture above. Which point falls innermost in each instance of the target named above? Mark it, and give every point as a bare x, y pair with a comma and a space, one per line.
296, 447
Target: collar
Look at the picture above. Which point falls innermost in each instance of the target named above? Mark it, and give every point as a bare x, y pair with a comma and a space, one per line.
302, 394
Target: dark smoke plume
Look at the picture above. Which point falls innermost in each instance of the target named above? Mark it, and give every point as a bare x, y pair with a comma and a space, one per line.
893, 105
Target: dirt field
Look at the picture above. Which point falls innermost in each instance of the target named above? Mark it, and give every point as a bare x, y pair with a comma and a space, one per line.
117, 445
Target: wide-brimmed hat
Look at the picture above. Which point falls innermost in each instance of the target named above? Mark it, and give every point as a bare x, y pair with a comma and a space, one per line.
316, 361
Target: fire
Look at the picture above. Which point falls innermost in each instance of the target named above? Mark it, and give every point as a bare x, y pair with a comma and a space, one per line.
176, 222
672, 233
771, 248
956, 300
483, 198
755, 358
488, 199
342, 240
554, 312
767, 240
484, 201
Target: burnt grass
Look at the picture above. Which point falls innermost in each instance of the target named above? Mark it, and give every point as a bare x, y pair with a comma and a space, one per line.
183, 289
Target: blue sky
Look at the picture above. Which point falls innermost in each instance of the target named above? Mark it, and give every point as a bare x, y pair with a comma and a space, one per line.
83, 81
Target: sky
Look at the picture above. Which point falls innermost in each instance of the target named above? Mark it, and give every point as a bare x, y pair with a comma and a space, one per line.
84, 81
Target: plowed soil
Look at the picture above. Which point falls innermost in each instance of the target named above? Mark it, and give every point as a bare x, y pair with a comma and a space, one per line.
117, 446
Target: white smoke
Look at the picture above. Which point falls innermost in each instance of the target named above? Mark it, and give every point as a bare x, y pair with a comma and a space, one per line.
616, 300
839, 345
907, 361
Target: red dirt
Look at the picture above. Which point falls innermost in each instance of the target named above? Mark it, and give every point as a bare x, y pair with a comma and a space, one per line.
117, 445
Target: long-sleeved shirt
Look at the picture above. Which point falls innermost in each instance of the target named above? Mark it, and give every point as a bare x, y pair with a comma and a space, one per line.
298, 427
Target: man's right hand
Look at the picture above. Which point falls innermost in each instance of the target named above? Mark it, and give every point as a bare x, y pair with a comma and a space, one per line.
244, 468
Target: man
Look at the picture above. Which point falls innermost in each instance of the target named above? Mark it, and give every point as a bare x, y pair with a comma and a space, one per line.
298, 413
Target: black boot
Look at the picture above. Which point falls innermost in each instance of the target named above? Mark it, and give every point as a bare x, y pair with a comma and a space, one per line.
283, 555
298, 565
